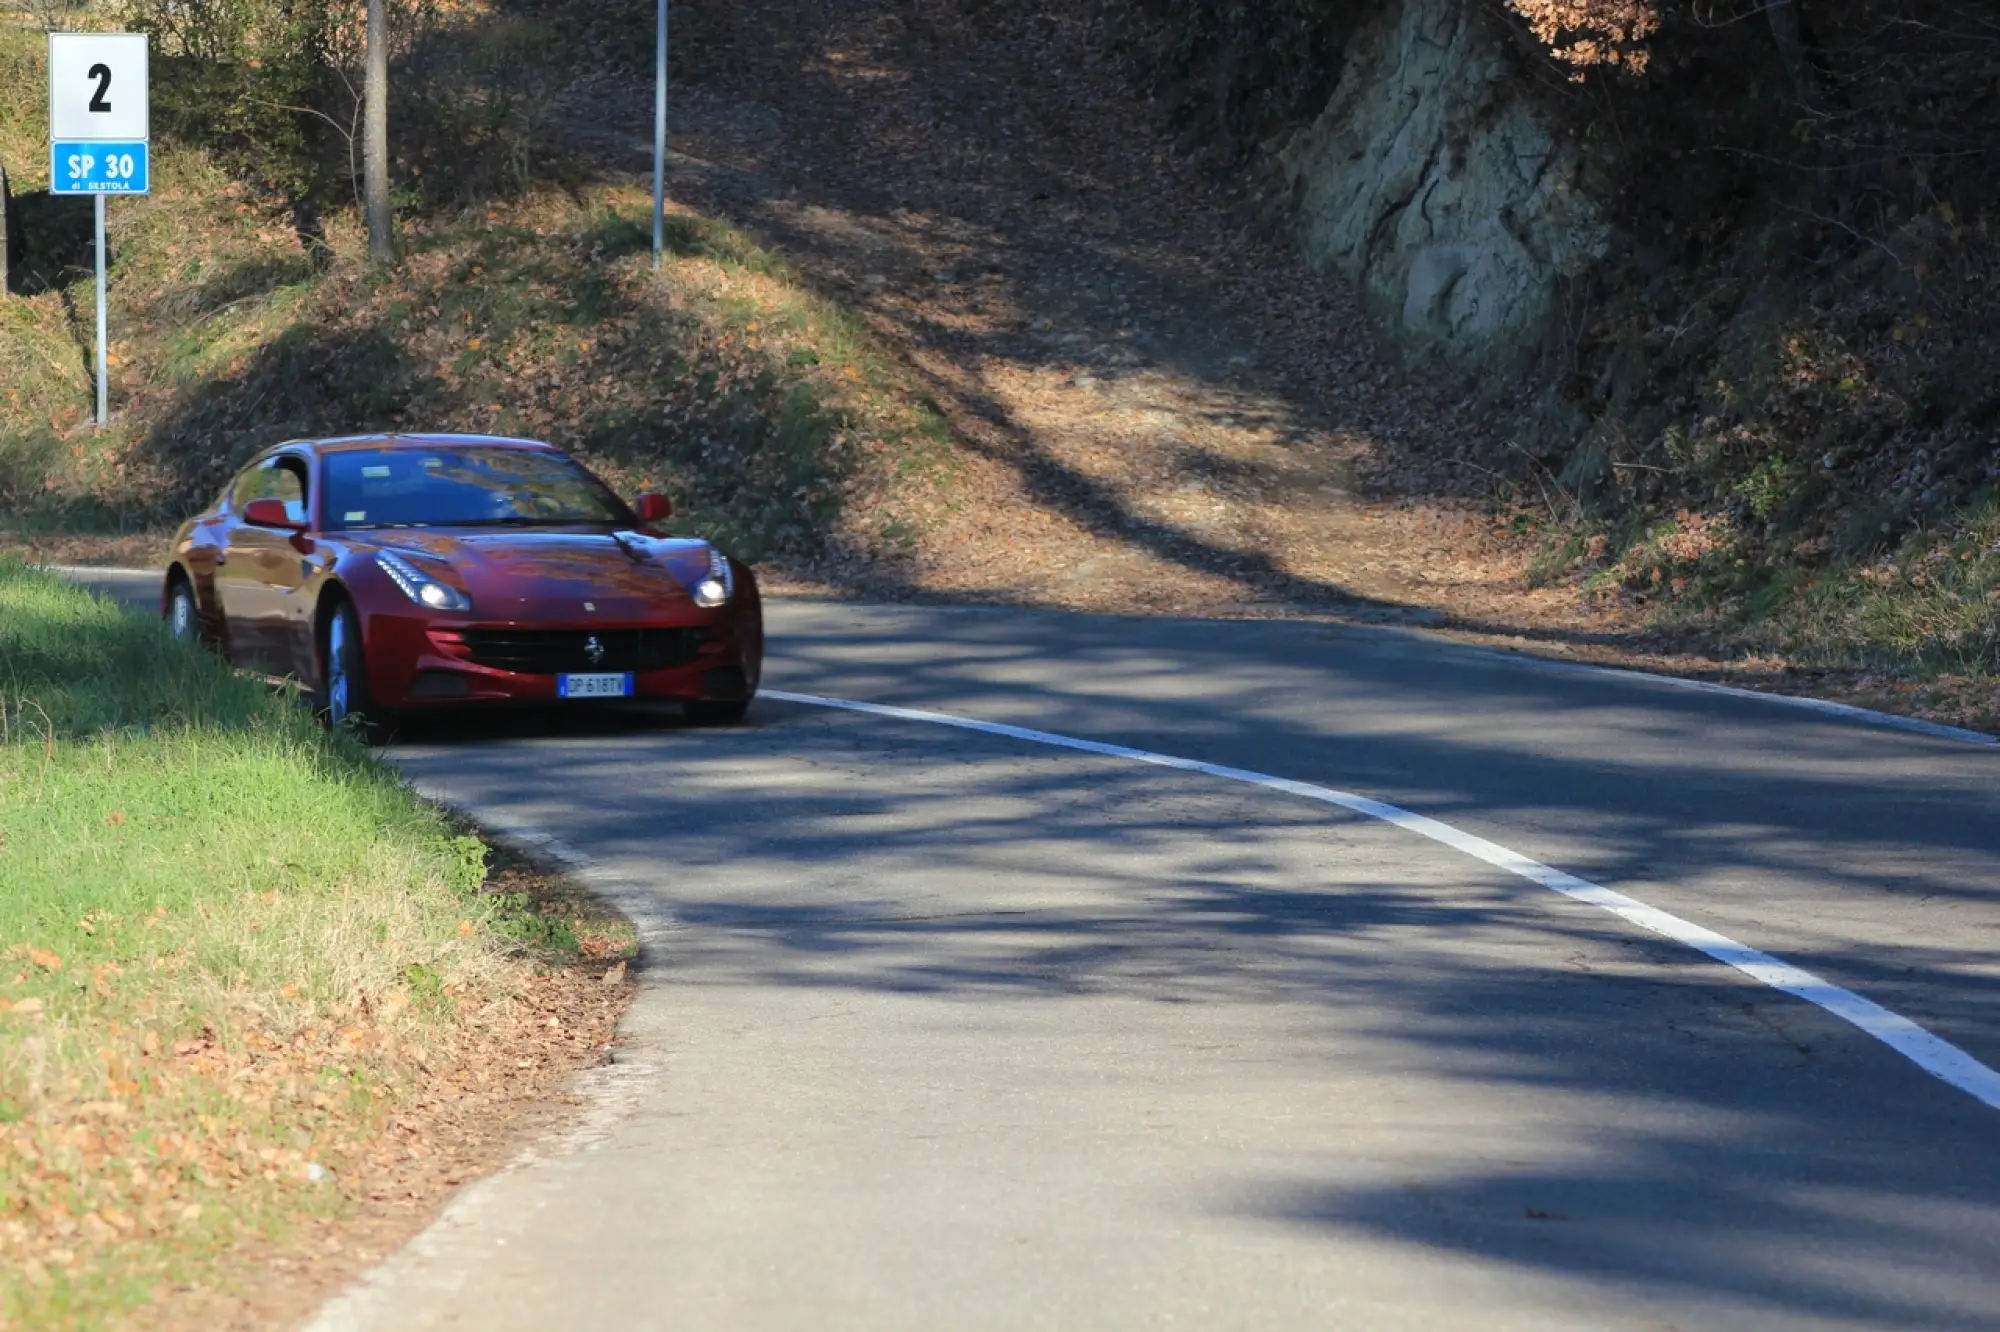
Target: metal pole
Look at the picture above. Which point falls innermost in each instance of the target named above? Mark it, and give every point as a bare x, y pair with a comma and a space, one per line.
660, 144
103, 328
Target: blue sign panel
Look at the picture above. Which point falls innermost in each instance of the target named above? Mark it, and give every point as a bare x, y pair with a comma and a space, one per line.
100, 168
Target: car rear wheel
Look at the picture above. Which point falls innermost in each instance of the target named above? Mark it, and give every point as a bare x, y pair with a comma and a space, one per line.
344, 703
183, 614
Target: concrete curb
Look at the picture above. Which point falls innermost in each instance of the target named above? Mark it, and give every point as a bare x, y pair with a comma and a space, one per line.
474, 1215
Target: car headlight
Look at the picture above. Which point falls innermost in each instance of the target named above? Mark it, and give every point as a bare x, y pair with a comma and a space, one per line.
719, 584
419, 586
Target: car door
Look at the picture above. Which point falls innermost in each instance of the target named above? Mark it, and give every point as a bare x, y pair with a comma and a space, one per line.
261, 571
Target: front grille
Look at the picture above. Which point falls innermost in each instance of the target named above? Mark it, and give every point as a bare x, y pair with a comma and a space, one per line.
568, 651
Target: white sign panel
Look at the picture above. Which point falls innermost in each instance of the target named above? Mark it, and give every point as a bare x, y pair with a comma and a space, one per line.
97, 87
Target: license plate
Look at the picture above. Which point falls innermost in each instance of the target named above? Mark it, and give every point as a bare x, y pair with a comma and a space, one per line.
594, 686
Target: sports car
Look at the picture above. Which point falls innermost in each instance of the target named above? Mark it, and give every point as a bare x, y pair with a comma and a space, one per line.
392, 573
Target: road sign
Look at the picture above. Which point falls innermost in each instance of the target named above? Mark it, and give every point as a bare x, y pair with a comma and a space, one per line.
100, 131
100, 113
97, 87
101, 168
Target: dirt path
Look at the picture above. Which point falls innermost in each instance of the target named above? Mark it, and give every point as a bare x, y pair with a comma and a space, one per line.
1160, 410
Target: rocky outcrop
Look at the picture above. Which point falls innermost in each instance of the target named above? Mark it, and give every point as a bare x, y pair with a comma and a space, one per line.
1434, 186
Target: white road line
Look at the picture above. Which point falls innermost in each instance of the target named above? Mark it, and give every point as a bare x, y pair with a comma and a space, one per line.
83, 571
1823, 706
1936, 1056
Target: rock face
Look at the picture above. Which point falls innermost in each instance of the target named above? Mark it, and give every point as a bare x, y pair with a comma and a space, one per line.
1431, 183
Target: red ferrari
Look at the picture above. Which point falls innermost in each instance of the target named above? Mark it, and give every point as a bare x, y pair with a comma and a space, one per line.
390, 573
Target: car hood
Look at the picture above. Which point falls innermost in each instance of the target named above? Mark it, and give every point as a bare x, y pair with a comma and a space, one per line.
515, 574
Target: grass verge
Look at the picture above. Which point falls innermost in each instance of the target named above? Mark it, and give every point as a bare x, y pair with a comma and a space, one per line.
234, 950
766, 410
1931, 606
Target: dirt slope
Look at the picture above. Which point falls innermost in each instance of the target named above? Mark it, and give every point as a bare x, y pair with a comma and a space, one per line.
1160, 410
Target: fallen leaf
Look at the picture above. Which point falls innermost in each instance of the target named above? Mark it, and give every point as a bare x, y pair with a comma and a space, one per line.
44, 959
116, 820
615, 976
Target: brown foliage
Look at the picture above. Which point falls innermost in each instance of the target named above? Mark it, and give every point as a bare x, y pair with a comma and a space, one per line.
1586, 33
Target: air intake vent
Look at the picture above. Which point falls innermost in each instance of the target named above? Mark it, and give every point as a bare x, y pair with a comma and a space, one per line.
439, 684
560, 651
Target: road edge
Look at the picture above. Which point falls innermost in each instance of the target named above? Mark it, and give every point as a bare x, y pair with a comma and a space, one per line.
1534, 661
605, 1095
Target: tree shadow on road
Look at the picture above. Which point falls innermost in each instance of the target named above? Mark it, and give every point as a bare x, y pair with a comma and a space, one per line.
1615, 1110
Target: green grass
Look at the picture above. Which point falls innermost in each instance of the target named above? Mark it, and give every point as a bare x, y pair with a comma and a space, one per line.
228, 938
769, 413
1928, 609
764, 410
1933, 606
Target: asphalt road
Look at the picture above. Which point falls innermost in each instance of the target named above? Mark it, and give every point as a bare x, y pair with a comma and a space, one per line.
945, 1029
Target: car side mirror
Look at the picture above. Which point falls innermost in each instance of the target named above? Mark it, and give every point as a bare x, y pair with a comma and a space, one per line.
271, 513
653, 508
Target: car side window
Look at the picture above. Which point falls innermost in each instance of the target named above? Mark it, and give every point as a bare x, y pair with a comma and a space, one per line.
248, 487
281, 479
295, 498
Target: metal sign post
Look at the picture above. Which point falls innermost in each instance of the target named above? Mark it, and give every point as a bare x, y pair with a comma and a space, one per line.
100, 141
103, 326
660, 143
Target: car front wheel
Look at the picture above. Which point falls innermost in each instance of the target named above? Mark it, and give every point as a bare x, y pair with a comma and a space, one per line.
715, 712
344, 703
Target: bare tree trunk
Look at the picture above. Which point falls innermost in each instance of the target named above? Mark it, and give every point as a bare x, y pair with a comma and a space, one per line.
375, 137
1784, 18
10, 239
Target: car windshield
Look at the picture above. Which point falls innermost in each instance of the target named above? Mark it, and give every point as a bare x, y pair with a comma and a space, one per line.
462, 487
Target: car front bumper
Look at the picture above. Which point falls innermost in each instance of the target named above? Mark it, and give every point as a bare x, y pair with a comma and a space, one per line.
422, 662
